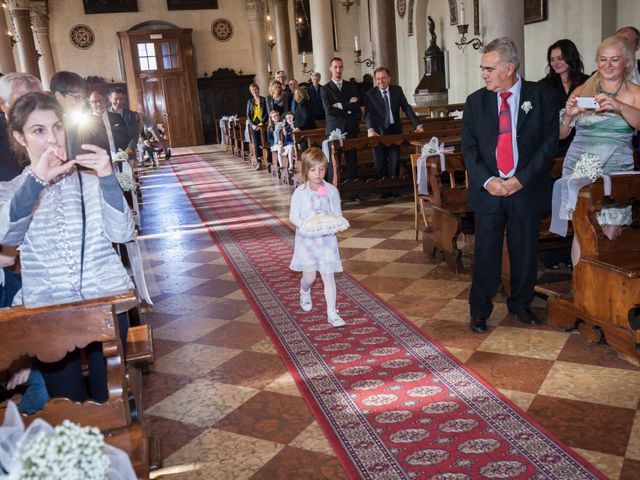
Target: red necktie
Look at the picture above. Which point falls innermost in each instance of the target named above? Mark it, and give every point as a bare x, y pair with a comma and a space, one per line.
504, 151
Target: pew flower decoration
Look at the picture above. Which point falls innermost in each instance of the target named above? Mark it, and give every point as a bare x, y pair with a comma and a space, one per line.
126, 181
526, 106
337, 135
588, 166
68, 452
122, 156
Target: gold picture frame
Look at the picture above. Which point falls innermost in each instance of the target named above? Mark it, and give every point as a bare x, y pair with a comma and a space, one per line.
535, 11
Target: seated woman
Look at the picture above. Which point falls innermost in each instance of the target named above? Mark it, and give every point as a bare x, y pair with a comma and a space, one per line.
303, 118
64, 214
565, 73
257, 117
606, 131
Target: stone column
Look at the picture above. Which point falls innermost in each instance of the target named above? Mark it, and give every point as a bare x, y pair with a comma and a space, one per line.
322, 37
283, 37
255, 12
19, 10
7, 63
40, 22
501, 18
383, 42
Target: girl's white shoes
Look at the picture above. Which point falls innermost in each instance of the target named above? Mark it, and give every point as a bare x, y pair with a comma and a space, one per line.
335, 320
305, 300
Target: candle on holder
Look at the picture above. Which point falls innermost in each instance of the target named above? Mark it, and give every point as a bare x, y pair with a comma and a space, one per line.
355, 40
461, 19
304, 57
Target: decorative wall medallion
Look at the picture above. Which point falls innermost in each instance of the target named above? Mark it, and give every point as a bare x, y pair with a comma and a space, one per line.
82, 37
402, 7
221, 29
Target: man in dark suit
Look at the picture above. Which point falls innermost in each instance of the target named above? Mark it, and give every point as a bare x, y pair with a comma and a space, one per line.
382, 117
315, 97
342, 107
633, 35
116, 105
509, 140
110, 130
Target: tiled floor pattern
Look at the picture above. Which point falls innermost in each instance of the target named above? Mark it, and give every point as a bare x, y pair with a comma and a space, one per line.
225, 406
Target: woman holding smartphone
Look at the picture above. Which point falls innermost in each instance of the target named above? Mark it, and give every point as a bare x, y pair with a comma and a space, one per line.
64, 221
605, 131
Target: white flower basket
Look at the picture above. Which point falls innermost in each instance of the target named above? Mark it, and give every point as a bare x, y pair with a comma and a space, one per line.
322, 225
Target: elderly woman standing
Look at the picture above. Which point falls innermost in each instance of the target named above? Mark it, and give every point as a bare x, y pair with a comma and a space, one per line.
65, 220
608, 130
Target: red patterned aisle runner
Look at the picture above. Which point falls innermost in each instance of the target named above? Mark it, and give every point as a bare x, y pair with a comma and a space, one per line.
394, 404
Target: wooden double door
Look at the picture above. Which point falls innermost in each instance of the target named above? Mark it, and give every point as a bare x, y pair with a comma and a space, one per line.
160, 72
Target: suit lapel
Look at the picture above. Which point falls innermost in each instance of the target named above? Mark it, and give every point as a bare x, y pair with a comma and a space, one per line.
521, 113
491, 106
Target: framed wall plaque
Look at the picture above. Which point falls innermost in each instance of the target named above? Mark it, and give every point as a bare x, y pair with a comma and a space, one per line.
535, 11
192, 4
109, 6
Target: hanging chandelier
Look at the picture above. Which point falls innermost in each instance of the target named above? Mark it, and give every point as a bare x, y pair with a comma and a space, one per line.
302, 19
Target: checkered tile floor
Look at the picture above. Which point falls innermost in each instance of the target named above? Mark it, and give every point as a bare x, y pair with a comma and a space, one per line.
225, 406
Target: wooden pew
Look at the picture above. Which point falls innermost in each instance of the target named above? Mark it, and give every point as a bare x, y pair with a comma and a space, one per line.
367, 181
48, 333
602, 299
240, 148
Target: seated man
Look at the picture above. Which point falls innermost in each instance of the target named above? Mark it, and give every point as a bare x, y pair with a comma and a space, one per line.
382, 117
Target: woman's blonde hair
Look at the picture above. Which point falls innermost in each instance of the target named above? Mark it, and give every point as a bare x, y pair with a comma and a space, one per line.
590, 87
301, 95
310, 158
272, 88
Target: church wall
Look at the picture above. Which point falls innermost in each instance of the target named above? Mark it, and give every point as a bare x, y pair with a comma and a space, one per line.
102, 59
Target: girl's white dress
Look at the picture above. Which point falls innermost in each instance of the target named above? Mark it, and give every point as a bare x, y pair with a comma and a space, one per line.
314, 254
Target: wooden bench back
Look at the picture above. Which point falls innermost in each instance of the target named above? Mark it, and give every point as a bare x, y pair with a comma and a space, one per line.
49, 333
625, 189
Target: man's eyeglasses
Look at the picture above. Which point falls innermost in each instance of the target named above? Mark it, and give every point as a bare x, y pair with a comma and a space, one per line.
78, 97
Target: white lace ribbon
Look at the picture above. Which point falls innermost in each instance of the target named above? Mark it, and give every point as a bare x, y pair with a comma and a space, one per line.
565, 198
431, 149
222, 124
137, 269
334, 135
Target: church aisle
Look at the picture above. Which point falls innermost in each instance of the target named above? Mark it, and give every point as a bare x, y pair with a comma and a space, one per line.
219, 395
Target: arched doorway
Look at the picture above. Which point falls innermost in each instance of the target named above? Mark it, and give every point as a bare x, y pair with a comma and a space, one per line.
161, 78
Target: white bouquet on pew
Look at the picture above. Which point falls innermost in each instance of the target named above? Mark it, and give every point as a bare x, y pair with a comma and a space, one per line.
66, 452
126, 181
122, 156
588, 167
337, 135
322, 224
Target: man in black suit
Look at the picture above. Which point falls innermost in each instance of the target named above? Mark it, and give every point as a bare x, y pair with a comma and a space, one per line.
509, 140
116, 105
342, 107
382, 117
110, 130
633, 35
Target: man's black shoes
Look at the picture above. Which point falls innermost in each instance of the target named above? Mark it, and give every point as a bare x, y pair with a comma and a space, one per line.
527, 317
478, 324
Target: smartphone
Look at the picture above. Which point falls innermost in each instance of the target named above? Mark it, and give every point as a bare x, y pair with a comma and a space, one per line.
73, 142
587, 102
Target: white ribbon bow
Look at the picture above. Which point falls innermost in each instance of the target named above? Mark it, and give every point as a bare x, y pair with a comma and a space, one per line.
334, 135
222, 123
430, 149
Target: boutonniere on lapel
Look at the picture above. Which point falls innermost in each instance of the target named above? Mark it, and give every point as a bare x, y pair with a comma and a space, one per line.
526, 106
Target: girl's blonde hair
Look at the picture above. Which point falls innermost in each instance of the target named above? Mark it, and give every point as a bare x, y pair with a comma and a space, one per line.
310, 158
590, 87
271, 122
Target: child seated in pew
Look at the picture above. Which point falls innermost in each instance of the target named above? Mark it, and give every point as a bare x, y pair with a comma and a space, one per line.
287, 142
65, 220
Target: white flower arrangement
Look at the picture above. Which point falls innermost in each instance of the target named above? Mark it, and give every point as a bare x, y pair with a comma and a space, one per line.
526, 106
430, 148
122, 156
321, 225
337, 135
588, 166
126, 181
69, 452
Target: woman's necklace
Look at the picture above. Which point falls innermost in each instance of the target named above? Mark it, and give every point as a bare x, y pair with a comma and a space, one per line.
611, 94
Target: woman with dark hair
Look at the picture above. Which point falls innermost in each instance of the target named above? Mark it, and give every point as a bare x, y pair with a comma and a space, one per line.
565, 73
65, 220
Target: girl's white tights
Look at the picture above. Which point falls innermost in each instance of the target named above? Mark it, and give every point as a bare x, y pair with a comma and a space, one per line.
329, 287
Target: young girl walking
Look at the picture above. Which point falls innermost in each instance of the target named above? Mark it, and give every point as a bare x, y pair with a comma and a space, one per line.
317, 254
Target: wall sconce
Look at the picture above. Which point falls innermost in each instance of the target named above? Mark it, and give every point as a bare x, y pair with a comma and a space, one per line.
367, 61
304, 63
463, 28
